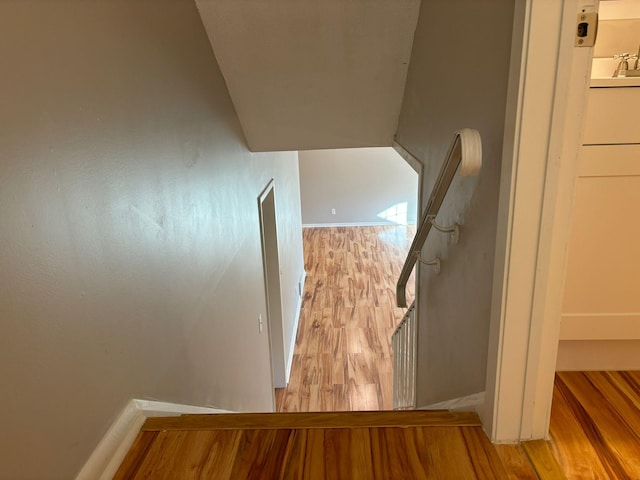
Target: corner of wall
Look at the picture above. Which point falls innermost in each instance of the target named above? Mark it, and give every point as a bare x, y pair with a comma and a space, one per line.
114, 446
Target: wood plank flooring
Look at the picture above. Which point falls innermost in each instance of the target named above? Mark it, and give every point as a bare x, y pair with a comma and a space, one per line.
595, 424
516, 462
343, 358
542, 460
407, 450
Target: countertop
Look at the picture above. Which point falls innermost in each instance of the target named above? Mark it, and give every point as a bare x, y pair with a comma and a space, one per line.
601, 74
615, 82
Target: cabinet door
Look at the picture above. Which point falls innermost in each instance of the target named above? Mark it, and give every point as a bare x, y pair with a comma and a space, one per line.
602, 287
613, 116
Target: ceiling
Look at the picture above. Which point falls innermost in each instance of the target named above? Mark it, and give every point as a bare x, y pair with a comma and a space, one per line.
310, 74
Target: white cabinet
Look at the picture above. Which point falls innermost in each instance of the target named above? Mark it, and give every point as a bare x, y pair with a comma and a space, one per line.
613, 116
600, 326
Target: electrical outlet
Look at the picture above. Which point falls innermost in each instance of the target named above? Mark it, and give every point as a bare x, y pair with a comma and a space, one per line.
260, 323
333, 211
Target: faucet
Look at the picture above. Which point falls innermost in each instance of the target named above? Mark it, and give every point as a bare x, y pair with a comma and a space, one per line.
623, 66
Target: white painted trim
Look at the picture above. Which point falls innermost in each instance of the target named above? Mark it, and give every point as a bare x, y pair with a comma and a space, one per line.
108, 455
600, 326
155, 408
418, 166
292, 343
111, 450
468, 403
272, 273
598, 355
353, 224
563, 165
413, 161
540, 162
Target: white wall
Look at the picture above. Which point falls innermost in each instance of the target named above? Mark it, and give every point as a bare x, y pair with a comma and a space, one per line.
131, 262
457, 78
359, 183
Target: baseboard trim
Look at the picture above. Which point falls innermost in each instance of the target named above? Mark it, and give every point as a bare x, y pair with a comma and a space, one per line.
468, 403
111, 450
600, 326
574, 355
292, 341
353, 224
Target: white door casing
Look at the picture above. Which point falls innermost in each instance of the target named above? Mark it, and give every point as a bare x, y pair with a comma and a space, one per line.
271, 265
547, 90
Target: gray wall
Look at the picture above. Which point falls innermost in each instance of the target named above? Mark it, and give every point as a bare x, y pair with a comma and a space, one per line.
457, 78
131, 262
307, 74
359, 183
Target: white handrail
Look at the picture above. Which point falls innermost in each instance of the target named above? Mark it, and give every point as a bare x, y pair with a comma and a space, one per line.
465, 152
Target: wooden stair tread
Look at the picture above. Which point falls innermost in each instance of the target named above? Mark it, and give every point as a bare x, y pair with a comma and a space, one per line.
307, 420
371, 453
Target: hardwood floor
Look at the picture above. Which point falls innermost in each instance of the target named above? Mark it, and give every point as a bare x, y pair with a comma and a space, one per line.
364, 445
595, 424
343, 361
343, 358
595, 434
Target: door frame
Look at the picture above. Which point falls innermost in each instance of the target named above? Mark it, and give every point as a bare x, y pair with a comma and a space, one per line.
548, 86
273, 293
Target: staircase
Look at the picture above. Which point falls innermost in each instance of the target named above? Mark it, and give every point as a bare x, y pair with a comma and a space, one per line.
336, 445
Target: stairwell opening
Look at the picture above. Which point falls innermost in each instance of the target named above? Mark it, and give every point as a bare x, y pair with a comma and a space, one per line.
359, 210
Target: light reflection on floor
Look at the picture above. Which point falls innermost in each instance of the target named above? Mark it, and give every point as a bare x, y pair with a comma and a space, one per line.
399, 235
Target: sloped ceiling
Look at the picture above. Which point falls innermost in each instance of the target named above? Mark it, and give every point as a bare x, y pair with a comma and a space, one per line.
309, 74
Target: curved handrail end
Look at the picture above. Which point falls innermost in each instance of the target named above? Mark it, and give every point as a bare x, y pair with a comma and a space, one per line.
471, 146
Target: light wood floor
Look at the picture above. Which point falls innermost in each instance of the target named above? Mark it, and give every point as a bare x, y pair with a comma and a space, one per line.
595, 424
343, 358
364, 445
595, 431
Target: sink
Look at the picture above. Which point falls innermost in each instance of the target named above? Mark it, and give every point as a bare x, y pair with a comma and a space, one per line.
603, 68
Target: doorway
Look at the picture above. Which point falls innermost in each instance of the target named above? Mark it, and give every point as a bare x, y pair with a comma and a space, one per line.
271, 267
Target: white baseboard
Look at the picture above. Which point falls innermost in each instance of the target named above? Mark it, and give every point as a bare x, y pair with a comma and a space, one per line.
108, 455
598, 355
292, 341
469, 403
600, 326
354, 224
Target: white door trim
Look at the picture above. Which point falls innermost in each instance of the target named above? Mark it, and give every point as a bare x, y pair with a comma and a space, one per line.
547, 88
273, 293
